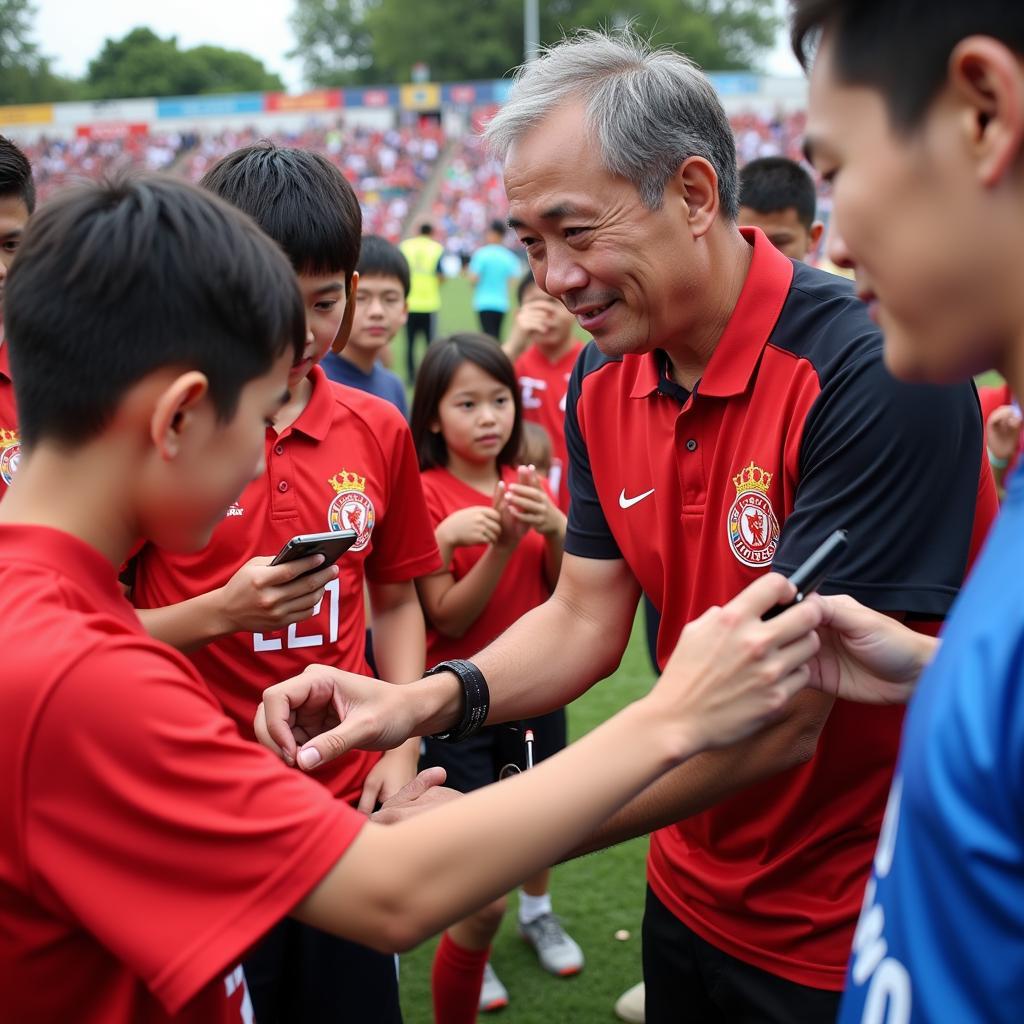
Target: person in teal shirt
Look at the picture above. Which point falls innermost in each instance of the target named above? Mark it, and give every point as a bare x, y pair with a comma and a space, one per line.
492, 269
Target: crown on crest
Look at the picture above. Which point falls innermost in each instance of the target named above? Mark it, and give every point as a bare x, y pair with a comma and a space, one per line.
346, 481
8, 437
752, 478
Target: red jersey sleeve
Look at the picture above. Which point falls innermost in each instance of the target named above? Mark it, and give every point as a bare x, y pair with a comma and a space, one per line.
403, 545
224, 840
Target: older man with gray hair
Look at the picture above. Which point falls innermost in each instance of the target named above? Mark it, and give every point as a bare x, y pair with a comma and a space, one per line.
732, 411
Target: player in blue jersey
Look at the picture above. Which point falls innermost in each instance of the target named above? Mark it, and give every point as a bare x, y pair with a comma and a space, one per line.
917, 119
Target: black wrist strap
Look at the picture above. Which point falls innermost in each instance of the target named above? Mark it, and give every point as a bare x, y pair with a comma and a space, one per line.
476, 699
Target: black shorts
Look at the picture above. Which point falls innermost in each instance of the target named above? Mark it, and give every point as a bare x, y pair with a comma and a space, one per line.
478, 761
300, 974
689, 981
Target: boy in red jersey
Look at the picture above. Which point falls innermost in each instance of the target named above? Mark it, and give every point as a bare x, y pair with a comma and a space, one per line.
337, 459
17, 201
144, 845
544, 349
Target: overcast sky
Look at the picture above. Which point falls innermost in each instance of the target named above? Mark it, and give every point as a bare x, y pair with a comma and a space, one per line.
259, 27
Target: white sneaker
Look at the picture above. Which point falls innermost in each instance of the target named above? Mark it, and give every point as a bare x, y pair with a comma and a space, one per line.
557, 952
630, 1006
493, 995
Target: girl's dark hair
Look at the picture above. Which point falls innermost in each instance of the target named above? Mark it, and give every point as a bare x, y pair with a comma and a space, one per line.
439, 366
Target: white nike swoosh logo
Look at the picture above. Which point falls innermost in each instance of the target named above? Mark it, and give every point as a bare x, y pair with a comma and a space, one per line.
625, 502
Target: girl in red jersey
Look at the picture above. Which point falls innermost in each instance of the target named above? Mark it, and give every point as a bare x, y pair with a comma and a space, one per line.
500, 535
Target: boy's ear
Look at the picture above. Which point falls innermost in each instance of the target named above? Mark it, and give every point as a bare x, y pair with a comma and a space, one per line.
989, 85
817, 230
341, 338
174, 412
405, 311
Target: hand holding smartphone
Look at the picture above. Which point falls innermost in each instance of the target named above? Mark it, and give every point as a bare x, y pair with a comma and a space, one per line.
809, 576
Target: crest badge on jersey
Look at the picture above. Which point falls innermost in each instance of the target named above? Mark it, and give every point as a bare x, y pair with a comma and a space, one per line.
10, 455
752, 525
351, 509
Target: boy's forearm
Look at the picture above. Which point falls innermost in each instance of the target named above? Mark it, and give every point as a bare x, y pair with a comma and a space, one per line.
188, 624
514, 829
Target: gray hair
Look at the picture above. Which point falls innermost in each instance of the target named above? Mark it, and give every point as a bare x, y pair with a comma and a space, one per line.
649, 109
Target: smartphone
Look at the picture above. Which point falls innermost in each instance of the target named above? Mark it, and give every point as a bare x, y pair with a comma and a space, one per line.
809, 576
331, 545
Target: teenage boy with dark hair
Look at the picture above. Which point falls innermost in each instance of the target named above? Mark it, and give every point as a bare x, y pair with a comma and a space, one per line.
380, 310
17, 201
336, 459
777, 195
917, 119
144, 845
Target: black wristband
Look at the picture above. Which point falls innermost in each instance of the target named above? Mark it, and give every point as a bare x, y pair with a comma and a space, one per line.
476, 699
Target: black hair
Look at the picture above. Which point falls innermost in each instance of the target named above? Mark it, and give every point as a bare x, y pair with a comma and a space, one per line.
297, 197
426, 229
440, 364
499, 227
379, 258
118, 279
776, 183
901, 48
16, 174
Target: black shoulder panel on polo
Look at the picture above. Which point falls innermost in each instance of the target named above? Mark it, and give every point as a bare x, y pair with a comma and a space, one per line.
587, 534
895, 464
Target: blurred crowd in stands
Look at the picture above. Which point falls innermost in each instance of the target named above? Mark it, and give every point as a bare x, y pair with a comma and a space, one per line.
388, 168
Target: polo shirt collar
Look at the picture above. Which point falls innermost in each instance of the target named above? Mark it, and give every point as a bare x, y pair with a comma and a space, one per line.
315, 420
67, 556
5, 360
750, 326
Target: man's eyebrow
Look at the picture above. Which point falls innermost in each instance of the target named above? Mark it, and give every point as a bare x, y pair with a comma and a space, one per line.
555, 212
13, 233
334, 286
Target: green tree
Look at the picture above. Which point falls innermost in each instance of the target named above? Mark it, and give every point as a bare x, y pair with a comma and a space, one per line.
25, 74
144, 64
333, 41
345, 41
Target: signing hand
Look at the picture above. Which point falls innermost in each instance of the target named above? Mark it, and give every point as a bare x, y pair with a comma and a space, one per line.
1002, 431
328, 712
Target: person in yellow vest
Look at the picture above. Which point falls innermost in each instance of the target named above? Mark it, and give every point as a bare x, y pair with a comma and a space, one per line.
424, 253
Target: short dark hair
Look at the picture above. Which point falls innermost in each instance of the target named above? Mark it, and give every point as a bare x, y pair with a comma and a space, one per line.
444, 357
379, 258
499, 227
426, 229
776, 183
901, 48
16, 174
118, 279
297, 197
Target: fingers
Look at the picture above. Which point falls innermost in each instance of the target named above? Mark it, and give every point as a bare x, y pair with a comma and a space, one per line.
264, 736
275, 718
426, 780
370, 794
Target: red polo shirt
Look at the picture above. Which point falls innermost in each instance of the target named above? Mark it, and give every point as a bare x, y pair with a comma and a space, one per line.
523, 584
795, 429
10, 446
544, 383
347, 462
144, 846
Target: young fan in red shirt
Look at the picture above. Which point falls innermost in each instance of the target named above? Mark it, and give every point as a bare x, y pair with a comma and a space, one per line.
337, 459
17, 201
544, 348
145, 845
500, 535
